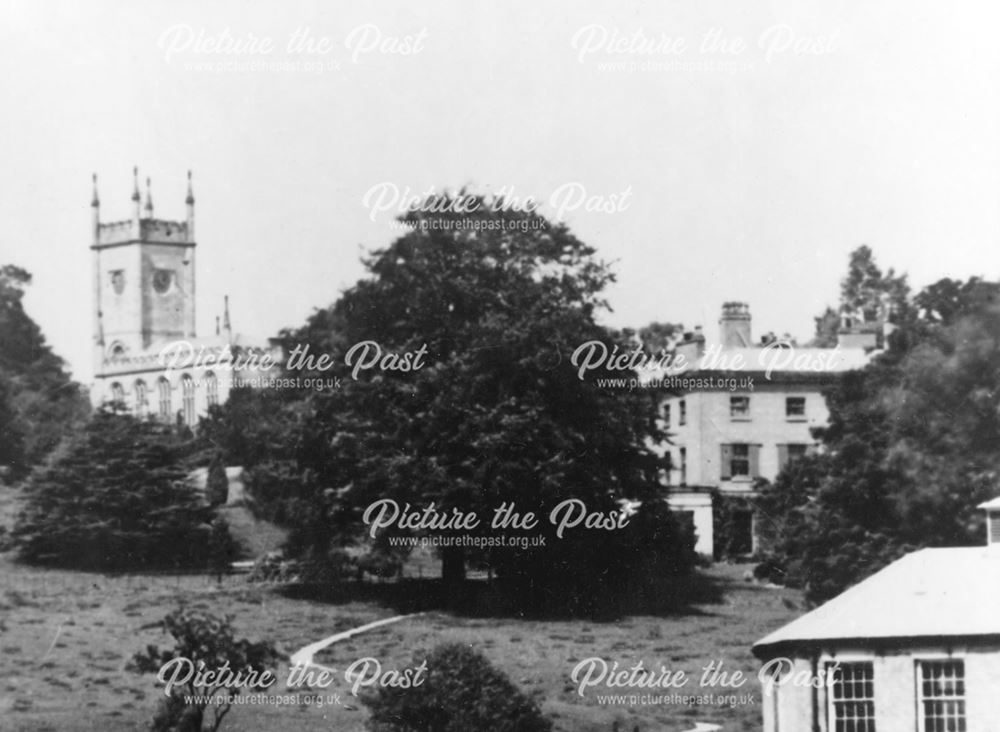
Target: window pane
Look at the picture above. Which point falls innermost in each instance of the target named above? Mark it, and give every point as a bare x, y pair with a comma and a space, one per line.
853, 697
739, 406
795, 406
942, 692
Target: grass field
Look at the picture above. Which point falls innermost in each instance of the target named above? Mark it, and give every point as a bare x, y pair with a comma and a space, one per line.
65, 638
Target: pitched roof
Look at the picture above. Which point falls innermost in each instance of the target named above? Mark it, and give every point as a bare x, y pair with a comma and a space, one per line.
769, 360
929, 593
793, 359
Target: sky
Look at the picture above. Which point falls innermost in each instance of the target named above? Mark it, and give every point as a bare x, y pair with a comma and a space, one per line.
711, 150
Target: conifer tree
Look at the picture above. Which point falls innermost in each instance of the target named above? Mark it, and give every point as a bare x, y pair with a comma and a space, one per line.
115, 497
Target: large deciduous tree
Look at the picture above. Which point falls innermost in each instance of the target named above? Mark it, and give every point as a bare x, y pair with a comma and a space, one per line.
497, 300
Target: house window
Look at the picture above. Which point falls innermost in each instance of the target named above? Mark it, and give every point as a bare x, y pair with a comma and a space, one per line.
682, 417
788, 453
852, 697
141, 399
163, 387
942, 696
740, 462
187, 392
211, 389
739, 407
684, 465
666, 413
795, 408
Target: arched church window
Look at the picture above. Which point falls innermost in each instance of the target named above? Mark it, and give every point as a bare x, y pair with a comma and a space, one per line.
141, 399
187, 391
116, 351
211, 389
117, 393
163, 387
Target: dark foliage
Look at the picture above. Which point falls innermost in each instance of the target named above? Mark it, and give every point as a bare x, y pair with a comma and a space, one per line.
496, 414
217, 484
462, 691
39, 404
208, 639
114, 498
912, 447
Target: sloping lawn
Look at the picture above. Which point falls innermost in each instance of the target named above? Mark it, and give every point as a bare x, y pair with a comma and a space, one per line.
65, 638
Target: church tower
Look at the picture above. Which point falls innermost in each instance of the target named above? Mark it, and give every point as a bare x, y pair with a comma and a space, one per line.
144, 280
144, 301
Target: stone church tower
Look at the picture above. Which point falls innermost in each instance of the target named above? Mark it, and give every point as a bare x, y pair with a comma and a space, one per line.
144, 308
144, 283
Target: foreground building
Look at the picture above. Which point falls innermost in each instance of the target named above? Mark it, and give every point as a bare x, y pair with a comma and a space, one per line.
743, 412
913, 647
147, 355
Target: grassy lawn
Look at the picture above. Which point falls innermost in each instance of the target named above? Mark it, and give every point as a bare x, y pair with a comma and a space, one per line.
65, 638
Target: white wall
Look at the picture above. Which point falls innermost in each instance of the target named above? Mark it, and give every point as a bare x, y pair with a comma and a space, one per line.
789, 708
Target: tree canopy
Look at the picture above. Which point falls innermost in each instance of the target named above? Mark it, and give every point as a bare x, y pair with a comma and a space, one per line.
39, 403
911, 448
115, 496
496, 300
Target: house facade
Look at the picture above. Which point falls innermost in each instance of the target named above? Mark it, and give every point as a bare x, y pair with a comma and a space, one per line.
739, 412
915, 647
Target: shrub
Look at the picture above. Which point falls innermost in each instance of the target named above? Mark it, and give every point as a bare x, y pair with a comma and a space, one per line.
462, 691
217, 484
202, 638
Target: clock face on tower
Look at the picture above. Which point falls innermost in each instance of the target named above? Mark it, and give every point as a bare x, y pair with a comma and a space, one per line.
162, 279
118, 281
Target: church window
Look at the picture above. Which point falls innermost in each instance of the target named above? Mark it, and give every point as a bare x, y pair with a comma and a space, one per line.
164, 393
141, 399
187, 391
162, 279
211, 389
118, 281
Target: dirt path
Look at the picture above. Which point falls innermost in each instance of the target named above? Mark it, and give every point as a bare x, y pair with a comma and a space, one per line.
304, 656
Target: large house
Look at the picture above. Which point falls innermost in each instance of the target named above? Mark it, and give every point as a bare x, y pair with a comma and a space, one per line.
147, 355
913, 647
737, 411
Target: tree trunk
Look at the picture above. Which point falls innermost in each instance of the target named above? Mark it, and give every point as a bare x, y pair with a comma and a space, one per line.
453, 565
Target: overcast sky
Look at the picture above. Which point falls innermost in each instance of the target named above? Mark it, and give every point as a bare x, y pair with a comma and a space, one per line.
748, 171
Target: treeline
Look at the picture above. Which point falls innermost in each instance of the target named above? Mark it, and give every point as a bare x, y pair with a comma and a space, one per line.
39, 402
913, 441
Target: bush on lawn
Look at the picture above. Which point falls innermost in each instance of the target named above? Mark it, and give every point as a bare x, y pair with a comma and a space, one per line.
461, 691
206, 639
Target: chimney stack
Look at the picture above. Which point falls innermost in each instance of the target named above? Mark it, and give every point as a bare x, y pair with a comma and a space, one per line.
734, 325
